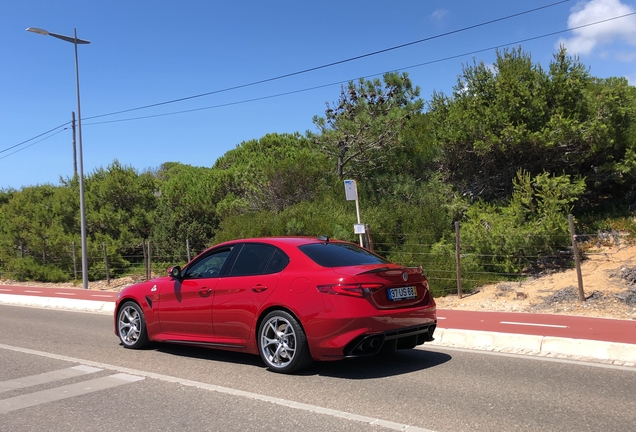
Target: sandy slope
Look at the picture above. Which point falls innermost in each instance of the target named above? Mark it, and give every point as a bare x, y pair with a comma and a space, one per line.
609, 283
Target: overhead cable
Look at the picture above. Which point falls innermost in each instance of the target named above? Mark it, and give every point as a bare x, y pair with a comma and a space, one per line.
364, 77
347, 60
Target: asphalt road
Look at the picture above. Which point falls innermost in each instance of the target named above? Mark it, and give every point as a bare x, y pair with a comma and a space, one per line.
64, 370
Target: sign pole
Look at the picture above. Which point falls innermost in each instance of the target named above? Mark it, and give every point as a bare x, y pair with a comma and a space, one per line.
351, 194
358, 214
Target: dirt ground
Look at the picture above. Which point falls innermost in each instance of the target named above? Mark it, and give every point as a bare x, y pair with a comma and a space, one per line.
609, 283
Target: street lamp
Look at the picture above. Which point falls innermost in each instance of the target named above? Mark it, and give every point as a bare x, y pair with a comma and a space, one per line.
75, 41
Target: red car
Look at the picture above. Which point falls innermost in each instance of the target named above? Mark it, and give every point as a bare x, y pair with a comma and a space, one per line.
290, 299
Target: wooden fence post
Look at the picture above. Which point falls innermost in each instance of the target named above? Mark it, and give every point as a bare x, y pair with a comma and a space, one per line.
74, 261
367, 233
458, 261
577, 261
106, 264
143, 250
149, 270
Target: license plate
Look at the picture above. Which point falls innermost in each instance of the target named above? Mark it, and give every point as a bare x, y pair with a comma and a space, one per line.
403, 293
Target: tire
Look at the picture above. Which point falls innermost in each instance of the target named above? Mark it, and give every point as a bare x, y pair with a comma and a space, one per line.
282, 343
131, 326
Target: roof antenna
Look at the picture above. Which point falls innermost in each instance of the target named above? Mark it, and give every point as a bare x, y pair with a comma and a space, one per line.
324, 238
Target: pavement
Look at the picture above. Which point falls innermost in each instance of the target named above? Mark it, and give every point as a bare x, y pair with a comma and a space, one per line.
598, 340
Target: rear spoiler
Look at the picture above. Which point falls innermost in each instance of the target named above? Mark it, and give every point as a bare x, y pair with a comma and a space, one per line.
389, 270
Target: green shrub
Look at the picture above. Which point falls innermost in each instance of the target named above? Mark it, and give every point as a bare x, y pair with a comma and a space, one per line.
28, 269
533, 224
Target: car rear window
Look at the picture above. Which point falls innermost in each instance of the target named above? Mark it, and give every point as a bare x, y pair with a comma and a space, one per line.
340, 255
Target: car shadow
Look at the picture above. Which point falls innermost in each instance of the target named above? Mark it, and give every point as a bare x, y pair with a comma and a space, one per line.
402, 362
207, 354
399, 363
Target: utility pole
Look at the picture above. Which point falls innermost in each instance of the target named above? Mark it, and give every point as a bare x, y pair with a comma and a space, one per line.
74, 146
75, 41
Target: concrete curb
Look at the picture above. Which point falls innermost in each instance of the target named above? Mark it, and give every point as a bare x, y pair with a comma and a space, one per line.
105, 307
540, 345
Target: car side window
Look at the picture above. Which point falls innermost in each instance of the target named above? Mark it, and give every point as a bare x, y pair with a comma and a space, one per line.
257, 258
278, 262
208, 266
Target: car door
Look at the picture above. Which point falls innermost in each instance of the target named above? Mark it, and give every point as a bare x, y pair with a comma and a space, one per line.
252, 278
185, 305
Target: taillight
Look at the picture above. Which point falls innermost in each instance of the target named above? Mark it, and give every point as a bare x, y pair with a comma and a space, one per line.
354, 290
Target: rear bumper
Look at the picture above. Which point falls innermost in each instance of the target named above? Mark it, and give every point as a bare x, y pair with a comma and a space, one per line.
333, 338
404, 338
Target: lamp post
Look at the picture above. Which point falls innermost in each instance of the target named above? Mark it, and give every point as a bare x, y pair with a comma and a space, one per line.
75, 41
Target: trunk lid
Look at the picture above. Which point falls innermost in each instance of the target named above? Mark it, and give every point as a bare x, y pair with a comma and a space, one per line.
400, 286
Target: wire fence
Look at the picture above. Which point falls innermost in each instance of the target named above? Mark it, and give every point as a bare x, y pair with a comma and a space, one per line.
459, 268
105, 261
449, 267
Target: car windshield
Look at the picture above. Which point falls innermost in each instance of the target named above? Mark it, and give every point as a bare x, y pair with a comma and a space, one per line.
340, 255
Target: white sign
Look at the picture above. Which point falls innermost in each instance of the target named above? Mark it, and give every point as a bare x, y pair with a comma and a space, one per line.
351, 190
358, 228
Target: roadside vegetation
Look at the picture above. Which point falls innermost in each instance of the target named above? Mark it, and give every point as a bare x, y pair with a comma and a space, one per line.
509, 154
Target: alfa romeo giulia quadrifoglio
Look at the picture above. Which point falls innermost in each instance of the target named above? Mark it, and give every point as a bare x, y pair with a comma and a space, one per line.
292, 300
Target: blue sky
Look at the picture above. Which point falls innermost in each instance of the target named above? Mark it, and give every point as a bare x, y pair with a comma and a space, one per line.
150, 52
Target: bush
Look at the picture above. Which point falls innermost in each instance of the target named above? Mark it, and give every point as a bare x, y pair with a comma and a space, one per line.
533, 225
28, 269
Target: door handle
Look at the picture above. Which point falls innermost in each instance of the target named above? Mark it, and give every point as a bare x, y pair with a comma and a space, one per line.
205, 291
259, 288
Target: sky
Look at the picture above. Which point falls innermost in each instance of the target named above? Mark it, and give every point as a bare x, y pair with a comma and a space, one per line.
166, 81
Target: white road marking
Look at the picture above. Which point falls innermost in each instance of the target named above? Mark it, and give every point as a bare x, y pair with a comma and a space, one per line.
6, 290
46, 377
35, 292
439, 318
64, 392
70, 294
136, 374
101, 295
533, 324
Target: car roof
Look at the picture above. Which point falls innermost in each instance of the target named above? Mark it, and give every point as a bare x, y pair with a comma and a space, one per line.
293, 241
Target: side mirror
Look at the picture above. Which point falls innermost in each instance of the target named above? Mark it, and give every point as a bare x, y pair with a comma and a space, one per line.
175, 272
